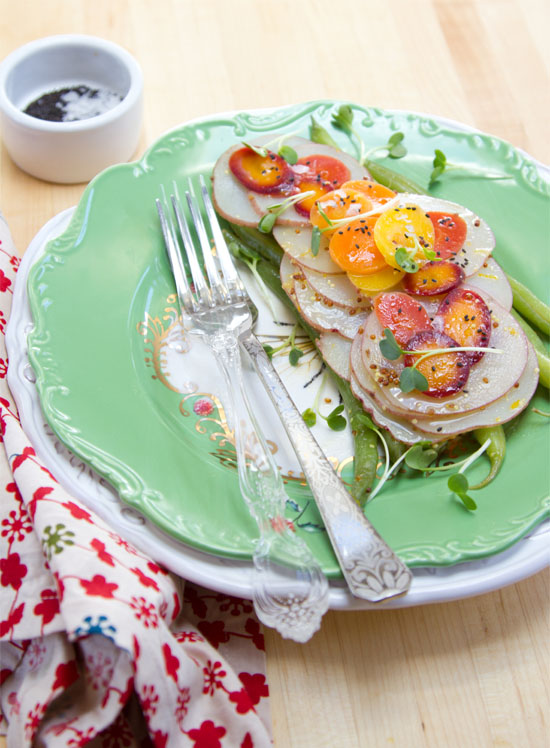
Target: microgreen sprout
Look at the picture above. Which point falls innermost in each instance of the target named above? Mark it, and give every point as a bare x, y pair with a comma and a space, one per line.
394, 148
295, 350
404, 256
541, 412
260, 150
268, 219
410, 378
251, 261
421, 456
334, 420
289, 154
441, 165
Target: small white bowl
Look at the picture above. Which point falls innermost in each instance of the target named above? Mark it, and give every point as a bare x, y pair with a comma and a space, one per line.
70, 151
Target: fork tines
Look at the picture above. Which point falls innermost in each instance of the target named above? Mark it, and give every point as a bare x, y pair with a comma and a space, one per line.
224, 284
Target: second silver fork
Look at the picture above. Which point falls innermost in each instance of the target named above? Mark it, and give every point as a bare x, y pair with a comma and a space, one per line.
290, 590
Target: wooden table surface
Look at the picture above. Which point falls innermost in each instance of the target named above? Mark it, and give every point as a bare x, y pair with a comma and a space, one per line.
466, 673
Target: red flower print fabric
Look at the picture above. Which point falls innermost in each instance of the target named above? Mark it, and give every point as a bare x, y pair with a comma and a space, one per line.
97, 642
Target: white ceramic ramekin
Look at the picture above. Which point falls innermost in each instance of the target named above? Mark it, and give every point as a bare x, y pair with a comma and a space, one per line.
74, 151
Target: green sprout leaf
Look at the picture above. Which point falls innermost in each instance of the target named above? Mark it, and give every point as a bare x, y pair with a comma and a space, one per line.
395, 146
389, 347
289, 154
343, 119
335, 420
419, 457
294, 356
412, 379
315, 240
268, 349
459, 485
309, 417
260, 150
404, 258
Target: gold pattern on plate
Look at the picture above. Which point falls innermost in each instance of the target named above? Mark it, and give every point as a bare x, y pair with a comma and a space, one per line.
159, 333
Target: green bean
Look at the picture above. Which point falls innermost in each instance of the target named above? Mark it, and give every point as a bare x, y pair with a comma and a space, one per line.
530, 306
264, 244
392, 179
495, 451
543, 357
318, 134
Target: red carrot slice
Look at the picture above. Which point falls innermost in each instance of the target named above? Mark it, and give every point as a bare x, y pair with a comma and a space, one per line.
446, 373
450, 233
402, 314
434, 278
465, 317
318, 173
264, 174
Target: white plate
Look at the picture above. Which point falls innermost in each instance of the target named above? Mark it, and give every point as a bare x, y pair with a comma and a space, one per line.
430, 585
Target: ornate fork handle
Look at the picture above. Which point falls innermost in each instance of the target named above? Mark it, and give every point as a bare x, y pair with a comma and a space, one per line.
291, 599
372, 570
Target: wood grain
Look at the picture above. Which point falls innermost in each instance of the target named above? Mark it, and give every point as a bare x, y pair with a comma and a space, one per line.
467, 673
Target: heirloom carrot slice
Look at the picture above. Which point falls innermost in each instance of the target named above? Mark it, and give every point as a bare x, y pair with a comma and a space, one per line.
376, 282
402, 314
353, 248
406, 226
450, 233
465, 317
319, 173
446, 373
374, 191
433, 278
336, 204
264, 174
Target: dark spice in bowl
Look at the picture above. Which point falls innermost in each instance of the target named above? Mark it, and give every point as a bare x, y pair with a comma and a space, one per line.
74, 103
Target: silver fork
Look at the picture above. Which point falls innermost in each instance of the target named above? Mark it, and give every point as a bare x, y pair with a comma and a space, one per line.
290, 592
370, 567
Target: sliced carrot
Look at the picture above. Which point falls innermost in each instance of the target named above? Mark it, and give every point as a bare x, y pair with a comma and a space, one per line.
402, 314
340, 203
465, 317
319, 173
434, 278
353, 248
374, 191
446, 373
376, 282
450, 233
263, 174
406, 226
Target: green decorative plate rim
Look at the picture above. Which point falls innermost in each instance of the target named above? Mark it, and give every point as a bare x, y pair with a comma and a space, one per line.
102, 402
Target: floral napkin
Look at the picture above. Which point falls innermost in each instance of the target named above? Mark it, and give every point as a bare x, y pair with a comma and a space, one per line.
100, 645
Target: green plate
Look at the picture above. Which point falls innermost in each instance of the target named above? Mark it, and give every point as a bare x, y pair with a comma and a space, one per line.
107, 342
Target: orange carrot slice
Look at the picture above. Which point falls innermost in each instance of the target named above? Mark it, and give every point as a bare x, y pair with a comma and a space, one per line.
336, 204
374, 191
353, 248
